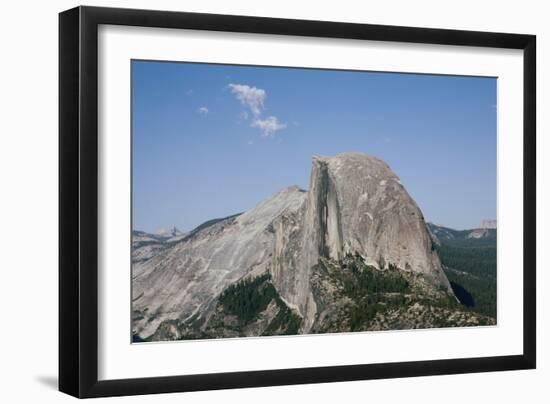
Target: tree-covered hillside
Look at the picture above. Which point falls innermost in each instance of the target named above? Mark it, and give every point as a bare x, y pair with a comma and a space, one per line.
471, 266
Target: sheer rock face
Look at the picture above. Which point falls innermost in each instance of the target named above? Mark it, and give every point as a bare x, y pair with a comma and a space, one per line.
377, 217
355, 204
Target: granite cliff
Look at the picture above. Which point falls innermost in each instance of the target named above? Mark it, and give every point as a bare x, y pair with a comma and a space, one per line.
302, 254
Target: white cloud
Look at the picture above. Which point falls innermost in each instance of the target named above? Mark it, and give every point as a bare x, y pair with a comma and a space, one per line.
203, 111
268, 126
252, 97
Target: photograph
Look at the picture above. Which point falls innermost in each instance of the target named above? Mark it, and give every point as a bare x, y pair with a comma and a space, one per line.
271, 201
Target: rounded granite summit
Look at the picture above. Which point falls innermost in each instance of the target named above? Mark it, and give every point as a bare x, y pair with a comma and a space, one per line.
355, 205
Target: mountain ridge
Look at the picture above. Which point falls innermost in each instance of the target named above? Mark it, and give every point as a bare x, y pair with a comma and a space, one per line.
356, 211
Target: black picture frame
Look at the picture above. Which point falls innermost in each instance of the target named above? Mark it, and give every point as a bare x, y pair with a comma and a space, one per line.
78, 201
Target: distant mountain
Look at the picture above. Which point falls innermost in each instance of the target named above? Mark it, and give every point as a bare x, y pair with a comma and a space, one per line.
160, 236
351, 253
488, 224
170, 234
146, 245
441, 234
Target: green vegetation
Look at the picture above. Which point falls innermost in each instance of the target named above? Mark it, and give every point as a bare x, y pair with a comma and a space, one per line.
372, 290
477, 261
360, 297
286, 322
248, 298
360, 280
249, 307
472, 265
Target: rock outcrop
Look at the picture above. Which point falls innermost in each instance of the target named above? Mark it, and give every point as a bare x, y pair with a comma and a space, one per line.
355, 205
185, 279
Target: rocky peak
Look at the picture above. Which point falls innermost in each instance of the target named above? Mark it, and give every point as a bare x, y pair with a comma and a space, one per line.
355, 205
488, 224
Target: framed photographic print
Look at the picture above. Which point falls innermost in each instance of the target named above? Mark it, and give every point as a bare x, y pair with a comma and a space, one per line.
251, 201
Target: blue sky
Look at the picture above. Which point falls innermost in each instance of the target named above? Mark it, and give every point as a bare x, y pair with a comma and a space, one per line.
213, 140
